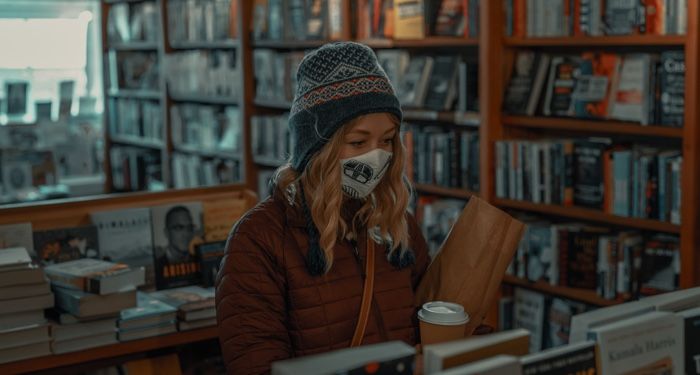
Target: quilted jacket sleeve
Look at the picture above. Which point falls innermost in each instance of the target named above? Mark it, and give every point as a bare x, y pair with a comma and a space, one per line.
250, 304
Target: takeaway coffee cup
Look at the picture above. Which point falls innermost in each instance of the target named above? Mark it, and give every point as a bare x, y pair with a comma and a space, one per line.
441, 321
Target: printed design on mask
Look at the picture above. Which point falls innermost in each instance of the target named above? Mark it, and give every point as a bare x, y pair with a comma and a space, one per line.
358, 171
362, 173
342, 90
351, 192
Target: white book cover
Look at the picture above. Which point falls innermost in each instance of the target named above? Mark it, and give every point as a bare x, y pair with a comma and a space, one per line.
498, 365
629, 96
652, 343
125, 236
581, 323
14, 258
17, 235
529, 314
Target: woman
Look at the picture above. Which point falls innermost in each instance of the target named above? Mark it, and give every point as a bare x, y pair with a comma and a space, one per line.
292, 280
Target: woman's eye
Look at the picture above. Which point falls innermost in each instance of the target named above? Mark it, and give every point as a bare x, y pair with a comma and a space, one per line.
357, 143
389, 141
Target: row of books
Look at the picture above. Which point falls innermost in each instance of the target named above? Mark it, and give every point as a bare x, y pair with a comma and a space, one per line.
560, 18
403, 19
439, 83
436, 217
136, 118
628, 181
194, 170
275, 74
133, 70
177, 244
617, 265
133, 22
270, 138
438, 156
202, 21
206, 127
658, 335
212, 74
135, 169
637, 87
297, 19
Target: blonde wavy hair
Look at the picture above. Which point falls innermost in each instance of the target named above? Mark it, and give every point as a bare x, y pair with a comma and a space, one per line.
386, 210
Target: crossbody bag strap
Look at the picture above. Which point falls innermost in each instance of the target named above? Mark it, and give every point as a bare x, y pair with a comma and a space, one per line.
366, 296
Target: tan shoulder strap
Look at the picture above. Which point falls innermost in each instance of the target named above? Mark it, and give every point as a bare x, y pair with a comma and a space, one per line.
366, 296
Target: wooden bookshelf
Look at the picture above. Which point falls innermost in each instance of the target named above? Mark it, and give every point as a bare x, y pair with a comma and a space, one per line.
588, 296
109, 351
599, 41
588, 127
443, 191
428, 42
131, 140
586, 214
204, 99
188, 45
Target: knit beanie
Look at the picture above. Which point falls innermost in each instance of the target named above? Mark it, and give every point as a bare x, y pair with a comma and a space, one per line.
336, 83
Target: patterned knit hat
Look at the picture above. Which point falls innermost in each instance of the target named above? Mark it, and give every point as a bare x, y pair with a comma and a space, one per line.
335, 84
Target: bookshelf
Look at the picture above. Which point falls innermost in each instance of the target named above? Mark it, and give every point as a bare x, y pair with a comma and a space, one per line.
496, 46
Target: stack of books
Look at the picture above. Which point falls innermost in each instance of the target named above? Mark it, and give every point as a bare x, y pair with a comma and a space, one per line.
149, 318
194, 304
90, 295
24, 294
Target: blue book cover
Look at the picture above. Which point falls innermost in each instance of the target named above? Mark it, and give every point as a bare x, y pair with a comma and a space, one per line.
146, 306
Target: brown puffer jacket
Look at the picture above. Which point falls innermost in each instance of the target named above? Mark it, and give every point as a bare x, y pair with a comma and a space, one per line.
270, 308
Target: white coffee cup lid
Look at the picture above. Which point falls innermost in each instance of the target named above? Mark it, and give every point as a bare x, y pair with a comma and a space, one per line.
443, 313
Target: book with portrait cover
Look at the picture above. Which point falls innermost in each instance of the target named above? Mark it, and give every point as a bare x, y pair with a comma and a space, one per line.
61, 245
177, 229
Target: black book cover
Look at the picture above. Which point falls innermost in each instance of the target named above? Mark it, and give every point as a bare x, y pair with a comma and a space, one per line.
210, 255
692, 345
672, 71
652, 189
578, 361
588, 173
442, 82
582, 260
522, 79
659, 266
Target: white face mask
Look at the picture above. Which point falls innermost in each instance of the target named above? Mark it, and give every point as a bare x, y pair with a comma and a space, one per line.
362, 173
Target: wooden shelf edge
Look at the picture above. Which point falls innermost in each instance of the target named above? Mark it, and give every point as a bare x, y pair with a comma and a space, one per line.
587, 296
586, 214
109, 351
447, 192
428, 42
626, 40
288, 44
593, 126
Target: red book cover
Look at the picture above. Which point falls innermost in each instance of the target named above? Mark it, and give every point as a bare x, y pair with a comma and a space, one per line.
655, 16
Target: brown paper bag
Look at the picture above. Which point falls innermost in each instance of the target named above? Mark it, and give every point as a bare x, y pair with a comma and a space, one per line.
471, 262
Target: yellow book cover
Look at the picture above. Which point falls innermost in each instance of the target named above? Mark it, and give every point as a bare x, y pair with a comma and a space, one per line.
409, 19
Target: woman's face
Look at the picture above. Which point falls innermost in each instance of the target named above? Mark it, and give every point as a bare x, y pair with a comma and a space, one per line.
369, 132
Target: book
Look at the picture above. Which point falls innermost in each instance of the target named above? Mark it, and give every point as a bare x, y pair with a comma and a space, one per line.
579, 358
582, 323
660, 268
14, 259
442, 85
148, 311
18, 235
629, 96
20, 336
413, 86
409, 19
21, 305
588, 176
86, 305
210, 255
451, 18
691, 321
530, 308
149, 331
196, 324
176, 230
649, 343
496, 365
26, 318
187, 299
61, 245
526, 83
446, 355
60, 316
384, 358
82, 343
19, 353
562, 81
95, 276
675, 301
558, 321
672, 88
598, 74
125, 237
20, 291
63, 332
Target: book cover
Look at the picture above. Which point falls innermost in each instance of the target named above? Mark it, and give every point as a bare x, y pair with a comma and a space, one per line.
577, 358
61, 245
660, 265
14, 258
526, 82
691, 327
623, 17
451, 19
125, 236
582, 323
541, 253
18, 235
296, 23
177, 229
530, 314
497, 365
87, 305
210, 255
95, 276
629, 96
409, 19
582, 258
558, 321
648, 344
598, 74
442, 83
564, 73
588, 172
672, 88
412, 88
187, 298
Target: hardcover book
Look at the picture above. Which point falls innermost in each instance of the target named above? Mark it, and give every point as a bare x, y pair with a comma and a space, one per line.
442, 83
14, 258
87, 305
529, 314
62, 245
577, 358
691, 320
148, 309
497, 365
672, 87
563, 78
187, 299
526, 83
96, 276
210, 255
